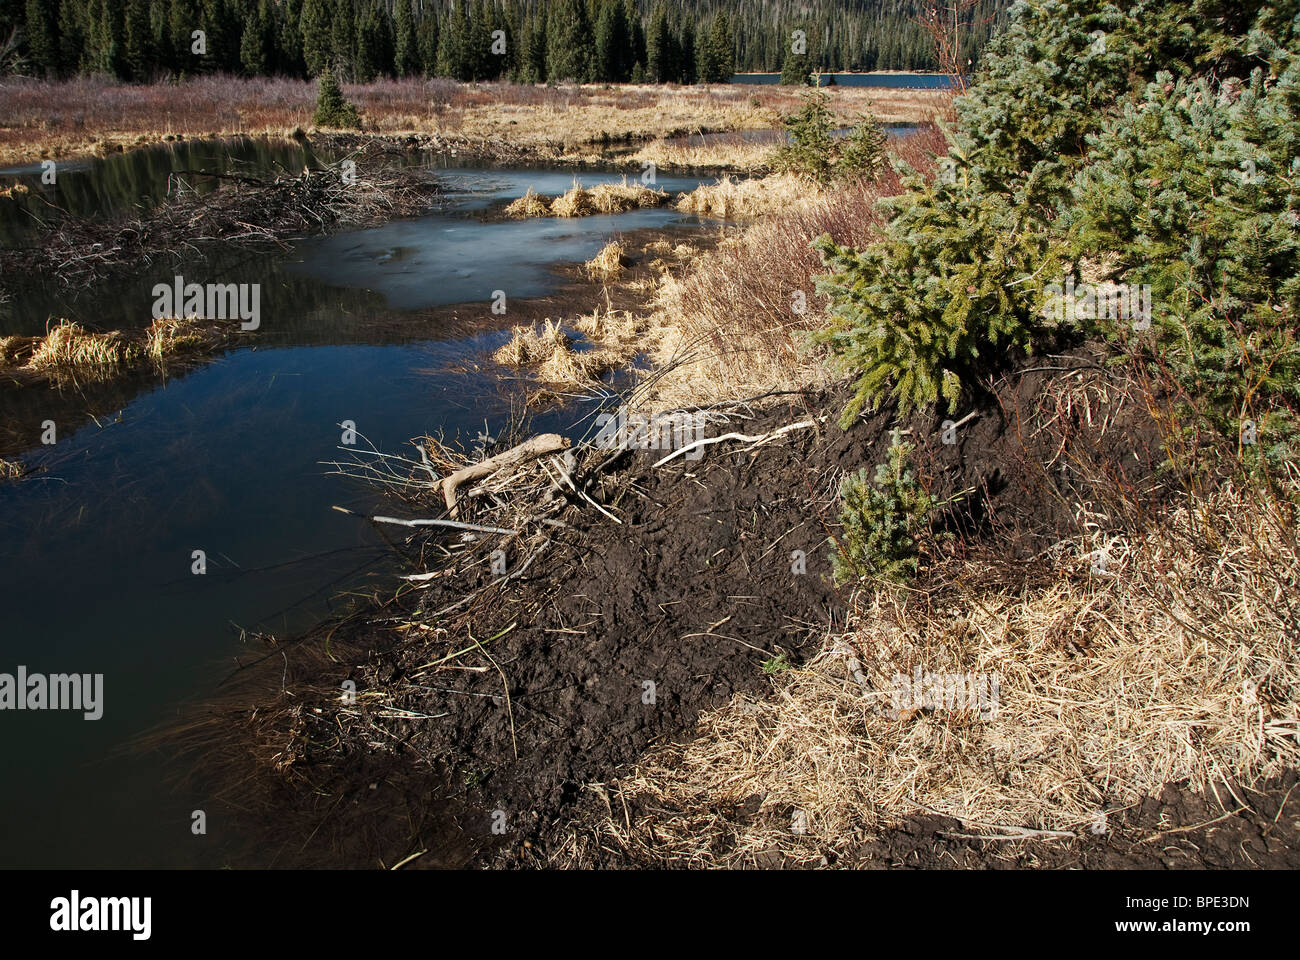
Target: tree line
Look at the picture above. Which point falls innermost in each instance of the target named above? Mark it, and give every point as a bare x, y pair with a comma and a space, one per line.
529, 41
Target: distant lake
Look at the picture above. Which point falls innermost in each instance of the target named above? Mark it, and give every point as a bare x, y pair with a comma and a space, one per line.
900, 81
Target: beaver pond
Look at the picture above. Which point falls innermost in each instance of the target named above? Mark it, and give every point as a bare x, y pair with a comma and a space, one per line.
231, 457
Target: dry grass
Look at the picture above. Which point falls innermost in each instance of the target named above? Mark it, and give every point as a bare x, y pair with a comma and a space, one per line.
734, 325
578, 202
609, 263
571, 368
731, 199
68, 346
726, 153
68, 350
94, 114
530, 344
531, 204
613, 338
14, 348
1178, 667
170, 336
604, 198
11, 469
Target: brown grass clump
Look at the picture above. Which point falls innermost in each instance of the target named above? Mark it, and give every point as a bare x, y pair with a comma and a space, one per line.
1178, 666
69, 346
612, 339
530, 205
731, 199
572, 368
11, 469
732, 153
621, 197
611, 328
168, 336
530, 344
578, 202
609, 263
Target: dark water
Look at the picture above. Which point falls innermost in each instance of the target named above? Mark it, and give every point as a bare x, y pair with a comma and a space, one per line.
121, 182
96, 550
897, 81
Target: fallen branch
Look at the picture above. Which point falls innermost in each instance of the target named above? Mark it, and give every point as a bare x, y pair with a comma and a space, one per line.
760, 439
454, 524
530, 449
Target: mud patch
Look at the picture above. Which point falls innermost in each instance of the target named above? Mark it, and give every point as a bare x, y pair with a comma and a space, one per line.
618, 633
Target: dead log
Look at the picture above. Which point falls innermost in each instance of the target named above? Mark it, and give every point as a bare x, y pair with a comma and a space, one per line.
531, 449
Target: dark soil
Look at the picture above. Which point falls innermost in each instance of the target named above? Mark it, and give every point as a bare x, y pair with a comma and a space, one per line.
693, 592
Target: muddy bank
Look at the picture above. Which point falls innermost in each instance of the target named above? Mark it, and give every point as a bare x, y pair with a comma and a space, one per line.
502, 689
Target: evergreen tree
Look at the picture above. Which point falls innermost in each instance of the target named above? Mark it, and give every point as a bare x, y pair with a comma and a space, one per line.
658, 47
715, 59
1058, 162
406, 54
332, 110
317, 35
451, 45
72, 37
42, 31
343, 38
255, 46
427, 41
110, 39
568, 42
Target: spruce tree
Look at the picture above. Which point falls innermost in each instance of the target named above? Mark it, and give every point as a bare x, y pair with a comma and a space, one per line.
427, 41
255, 46
42, 36
317, 32
407, 54
657, 47
332, 109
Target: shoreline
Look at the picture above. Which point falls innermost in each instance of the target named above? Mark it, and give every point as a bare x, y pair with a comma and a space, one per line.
565, 123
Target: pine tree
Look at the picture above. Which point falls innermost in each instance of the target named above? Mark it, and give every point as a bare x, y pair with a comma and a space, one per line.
255, 44
72, 38
343, 38
796, 68
367, 53
658, 52
427, 35
406, 54
882, 521
716, 60
810, 147
568, 42
332, 110
317, 35
110, 39
42, 31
